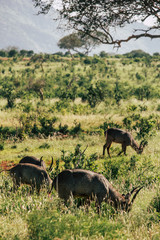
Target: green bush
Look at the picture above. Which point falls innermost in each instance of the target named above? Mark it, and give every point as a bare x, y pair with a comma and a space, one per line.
78, 159
47, 125
155, 204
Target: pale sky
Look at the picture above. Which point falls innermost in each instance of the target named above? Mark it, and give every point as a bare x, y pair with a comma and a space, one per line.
149, 21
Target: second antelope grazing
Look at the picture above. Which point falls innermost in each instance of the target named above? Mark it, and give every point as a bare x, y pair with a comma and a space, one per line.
125, 138
30, 174
91, 185
35, 161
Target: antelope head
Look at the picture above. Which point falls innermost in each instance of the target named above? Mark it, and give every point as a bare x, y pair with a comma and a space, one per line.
127, 202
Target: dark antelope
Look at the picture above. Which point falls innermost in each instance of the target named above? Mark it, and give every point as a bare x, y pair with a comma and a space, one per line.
25, 173
91, 185
36, 161
125, 138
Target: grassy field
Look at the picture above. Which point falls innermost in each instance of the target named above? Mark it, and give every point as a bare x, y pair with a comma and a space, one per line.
26, 216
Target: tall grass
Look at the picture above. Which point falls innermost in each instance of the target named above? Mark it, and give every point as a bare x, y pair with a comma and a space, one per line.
26, 216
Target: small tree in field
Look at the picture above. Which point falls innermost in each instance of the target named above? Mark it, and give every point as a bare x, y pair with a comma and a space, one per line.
10, 90
70, 42
37, 86
95, 94
75, 41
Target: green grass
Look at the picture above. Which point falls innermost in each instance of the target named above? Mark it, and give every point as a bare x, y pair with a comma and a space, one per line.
25, 216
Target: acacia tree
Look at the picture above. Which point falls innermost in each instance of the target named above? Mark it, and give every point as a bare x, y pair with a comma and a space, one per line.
70, 42
76, 41
101, 16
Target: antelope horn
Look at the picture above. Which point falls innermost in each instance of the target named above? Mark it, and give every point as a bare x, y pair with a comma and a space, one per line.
50, 168
41, 159
134, 197
133, 190
143, 143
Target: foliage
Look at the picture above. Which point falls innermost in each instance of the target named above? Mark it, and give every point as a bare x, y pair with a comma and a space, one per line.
131, 169
78, 159
137, 54
155, 204
71, 131
95, 94
47, 125
97, 18
145, 125
91, 79
70, 42
9, 90
76, 41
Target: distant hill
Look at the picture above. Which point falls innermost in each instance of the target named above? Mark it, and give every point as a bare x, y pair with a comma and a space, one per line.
21, 27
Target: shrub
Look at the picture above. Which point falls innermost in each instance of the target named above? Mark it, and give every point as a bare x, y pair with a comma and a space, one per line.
47, 125
1, 146
155, 204
78, 159
87, 61
145, 126
63, 129
76, 129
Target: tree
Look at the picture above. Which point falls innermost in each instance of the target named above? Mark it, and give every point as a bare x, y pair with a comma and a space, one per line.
3, 53
137, 54
95, 94
70, 42
101, 16
10, 90
37, 86
12, 53
74, 41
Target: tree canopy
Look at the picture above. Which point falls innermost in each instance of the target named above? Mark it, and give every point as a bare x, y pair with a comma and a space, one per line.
101, 16
75, 41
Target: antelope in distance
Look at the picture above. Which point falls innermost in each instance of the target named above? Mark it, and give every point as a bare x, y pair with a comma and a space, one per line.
125, 138
25, 173
36, 161
91, 186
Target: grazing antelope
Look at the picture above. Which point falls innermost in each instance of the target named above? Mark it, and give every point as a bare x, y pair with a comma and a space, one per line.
91, 185
36, 161
25, 173
125, 138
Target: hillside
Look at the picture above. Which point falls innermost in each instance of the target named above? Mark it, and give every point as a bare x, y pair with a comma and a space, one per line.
23, 28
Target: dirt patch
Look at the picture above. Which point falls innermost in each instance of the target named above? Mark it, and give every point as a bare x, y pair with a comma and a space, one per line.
5, 165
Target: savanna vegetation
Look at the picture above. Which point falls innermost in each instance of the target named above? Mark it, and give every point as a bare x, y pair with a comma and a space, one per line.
60, 105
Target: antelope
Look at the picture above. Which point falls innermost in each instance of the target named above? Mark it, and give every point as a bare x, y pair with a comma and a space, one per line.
91, 185
25, 173
125, 138
36, 161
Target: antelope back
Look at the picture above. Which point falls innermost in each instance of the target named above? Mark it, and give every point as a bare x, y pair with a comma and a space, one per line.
33, 160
